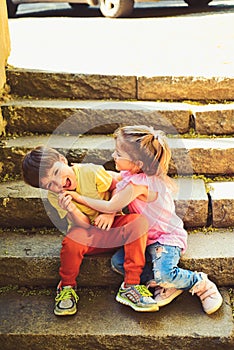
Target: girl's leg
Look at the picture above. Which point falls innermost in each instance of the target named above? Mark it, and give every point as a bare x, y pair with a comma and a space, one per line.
167, 274
117, 261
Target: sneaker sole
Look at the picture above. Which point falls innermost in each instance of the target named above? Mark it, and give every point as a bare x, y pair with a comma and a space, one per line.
169, 299
113, 268
151, 308
215, 308
65, 313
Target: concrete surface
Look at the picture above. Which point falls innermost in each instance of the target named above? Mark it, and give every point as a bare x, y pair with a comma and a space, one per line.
27, 259
101, 323
189, 45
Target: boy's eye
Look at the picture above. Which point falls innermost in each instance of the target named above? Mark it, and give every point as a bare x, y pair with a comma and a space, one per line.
56, 172
49, 185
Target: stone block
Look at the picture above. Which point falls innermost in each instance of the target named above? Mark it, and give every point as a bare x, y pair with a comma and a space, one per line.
222, 199
191, 202
185, 88
25, 82
214, 119
209, 156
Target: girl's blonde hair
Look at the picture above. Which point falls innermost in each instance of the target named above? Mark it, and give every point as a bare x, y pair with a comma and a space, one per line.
147, 145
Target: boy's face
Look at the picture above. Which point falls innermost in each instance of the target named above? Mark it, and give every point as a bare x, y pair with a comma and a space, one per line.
60, 177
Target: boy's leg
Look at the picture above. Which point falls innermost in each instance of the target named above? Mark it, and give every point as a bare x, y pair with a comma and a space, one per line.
117, 265
134, 229
71, 257
132, 234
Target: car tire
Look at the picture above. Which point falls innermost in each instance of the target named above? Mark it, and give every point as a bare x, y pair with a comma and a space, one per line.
197, 3
78, 7
116, 8
11, 9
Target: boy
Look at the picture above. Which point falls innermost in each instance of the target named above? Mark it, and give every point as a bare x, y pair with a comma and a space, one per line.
89, 231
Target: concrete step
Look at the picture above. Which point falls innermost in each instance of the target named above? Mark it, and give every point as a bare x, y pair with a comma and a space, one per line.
222, 203
209, 156
191, 201
27, 322
100, 117
79, 117
31, 258
193, 204
37, 83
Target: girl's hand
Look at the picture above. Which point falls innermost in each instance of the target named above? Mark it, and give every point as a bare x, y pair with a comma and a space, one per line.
75, 196
104, 221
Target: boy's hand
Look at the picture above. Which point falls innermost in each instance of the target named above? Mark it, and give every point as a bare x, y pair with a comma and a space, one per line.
65, 202
104, 221
74, 214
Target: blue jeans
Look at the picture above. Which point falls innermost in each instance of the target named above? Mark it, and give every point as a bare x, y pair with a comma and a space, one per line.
161, 266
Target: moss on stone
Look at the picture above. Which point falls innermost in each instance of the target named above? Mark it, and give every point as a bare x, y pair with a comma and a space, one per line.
231, 293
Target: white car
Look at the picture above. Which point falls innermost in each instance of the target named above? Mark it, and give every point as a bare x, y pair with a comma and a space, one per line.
109, 8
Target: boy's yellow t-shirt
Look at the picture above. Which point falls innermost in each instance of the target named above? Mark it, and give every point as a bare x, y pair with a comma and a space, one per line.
92, 181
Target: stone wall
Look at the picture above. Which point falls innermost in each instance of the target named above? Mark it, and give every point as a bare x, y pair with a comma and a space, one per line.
4, 43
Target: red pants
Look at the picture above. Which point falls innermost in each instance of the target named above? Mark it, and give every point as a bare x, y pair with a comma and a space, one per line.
129, 230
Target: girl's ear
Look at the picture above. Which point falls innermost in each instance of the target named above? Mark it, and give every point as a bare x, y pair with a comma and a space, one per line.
139, 163
63, 159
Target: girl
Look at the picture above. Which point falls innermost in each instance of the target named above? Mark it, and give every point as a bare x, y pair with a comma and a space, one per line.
142, 156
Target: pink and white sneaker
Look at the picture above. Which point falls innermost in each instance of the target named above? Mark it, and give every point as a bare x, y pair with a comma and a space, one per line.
208, 293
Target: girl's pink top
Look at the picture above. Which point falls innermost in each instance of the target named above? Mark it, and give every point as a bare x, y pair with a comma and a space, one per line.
165, 226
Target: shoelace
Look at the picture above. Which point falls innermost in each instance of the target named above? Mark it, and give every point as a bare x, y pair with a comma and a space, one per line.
143, 290
159, 291
67, 293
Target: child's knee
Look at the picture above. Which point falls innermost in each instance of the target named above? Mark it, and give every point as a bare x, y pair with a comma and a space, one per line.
141, 223
69, 245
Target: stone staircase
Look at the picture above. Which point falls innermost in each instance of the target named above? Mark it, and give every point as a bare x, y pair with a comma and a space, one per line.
77, 114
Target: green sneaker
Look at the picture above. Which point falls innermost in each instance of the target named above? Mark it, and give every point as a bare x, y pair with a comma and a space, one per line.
138, 297
65, 301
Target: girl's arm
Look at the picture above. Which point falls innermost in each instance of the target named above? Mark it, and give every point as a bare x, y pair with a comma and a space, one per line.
73, 213
116, 177
118, 201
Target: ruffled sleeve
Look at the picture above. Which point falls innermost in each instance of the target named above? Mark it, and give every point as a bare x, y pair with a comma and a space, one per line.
127, 177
